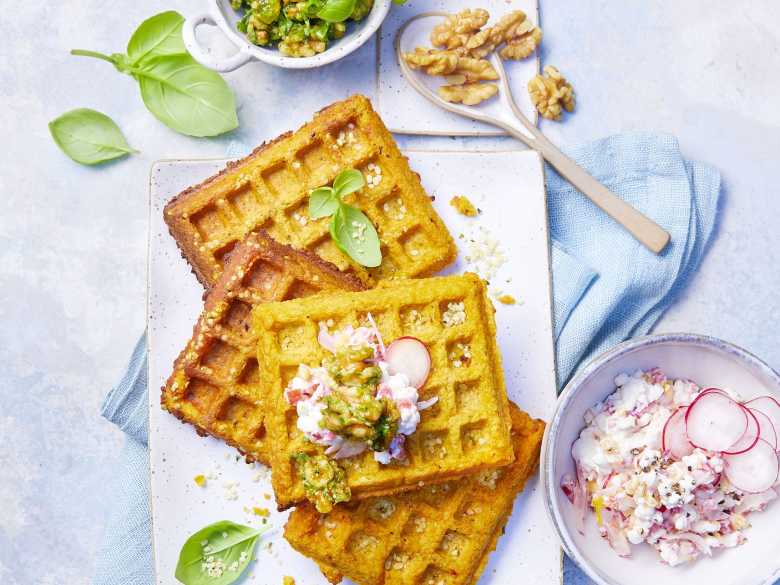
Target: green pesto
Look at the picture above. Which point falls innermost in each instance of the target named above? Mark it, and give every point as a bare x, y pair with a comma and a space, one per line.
324, 481
295, 27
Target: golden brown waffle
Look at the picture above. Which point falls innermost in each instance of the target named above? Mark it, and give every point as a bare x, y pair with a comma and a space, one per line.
214, 384
270, 189
439, 535
465, 431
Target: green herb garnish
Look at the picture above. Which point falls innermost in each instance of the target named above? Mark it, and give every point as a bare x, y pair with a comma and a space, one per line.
217, 554
337, 10
89, 137
352, 231
180, 92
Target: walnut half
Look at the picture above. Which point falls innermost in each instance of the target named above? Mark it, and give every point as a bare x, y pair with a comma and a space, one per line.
436, 62
551, 93
469, 94
456, 30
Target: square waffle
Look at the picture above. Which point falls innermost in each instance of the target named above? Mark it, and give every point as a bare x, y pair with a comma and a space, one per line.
270, 188
465, 431
438, 535
214, 384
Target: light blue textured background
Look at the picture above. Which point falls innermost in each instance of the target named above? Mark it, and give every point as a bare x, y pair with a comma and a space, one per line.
73, 240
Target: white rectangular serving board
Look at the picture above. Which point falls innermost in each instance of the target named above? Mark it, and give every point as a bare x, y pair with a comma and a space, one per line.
509, 188
405, 111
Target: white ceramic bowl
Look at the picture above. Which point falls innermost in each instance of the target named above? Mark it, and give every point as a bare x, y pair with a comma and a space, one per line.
222, 15
708, 362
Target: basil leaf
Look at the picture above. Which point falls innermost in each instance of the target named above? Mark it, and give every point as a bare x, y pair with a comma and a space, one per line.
348, 182
217, 554
89, 137
322, 202
356, 236
337, 10
187, 97
157, 36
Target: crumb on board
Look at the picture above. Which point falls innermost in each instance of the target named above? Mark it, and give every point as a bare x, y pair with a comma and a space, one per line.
287, 580
262, 512
463, 206
507, 299
200, 480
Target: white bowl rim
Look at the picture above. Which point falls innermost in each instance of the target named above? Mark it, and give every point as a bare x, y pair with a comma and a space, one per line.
214, 15
570, 390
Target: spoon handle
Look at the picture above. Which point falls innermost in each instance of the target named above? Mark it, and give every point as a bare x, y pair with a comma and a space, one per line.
641, 227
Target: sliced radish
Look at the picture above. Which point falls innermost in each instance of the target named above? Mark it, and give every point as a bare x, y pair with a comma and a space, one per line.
770, 407
749, 438
715, 422
674, 439
753, 471
409, 356
767, 430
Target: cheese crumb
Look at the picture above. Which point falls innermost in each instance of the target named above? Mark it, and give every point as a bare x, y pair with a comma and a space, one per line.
287, 580
507, 300
262, 512
200, 480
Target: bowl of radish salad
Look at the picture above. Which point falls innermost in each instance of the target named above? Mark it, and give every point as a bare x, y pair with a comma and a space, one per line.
661, 464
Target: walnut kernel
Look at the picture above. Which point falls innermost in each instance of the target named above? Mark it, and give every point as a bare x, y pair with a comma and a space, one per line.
551, 93
456, 30
469, 94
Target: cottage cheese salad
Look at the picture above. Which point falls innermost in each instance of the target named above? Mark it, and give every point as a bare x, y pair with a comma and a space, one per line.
364, 395
674, 465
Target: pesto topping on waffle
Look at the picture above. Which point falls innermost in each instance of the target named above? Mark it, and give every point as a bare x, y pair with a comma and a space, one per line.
324, 481
351, 402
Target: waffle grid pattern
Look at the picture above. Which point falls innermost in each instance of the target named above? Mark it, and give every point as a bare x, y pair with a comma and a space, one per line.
439, 535
465, 431
269, 190
215, 380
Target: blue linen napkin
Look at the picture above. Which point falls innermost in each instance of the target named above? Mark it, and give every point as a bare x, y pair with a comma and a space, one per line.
606, 288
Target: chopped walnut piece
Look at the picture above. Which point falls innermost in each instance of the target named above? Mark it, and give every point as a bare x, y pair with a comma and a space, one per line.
469, 94
550, 93
458, 28
435, 62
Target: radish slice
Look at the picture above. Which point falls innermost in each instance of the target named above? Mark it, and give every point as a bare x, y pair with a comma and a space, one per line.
749, 437
715, 422
767, 430
674, 439
770, 407
409, 356
753, 471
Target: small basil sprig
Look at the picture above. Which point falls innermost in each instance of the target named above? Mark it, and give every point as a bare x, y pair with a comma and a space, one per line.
352, 231
337, 10
179, 91
89, 137
217, 554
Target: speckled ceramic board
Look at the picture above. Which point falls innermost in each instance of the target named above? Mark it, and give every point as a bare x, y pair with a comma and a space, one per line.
407, 112
509, 188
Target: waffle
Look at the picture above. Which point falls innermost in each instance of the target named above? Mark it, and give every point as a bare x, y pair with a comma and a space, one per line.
269, 189
214, 381
465, 431
441, 534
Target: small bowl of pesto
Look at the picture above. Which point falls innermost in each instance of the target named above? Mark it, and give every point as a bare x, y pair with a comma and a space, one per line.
293, 34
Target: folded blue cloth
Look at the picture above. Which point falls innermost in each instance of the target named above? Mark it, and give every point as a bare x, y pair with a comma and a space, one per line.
606, 288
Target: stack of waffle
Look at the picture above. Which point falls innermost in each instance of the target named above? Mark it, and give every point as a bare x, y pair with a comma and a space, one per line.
272, 274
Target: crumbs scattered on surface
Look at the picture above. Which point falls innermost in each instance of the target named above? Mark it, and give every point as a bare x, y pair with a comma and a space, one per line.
485, 256
262, 512
200, 480
507, 299
287, 580
463, 206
